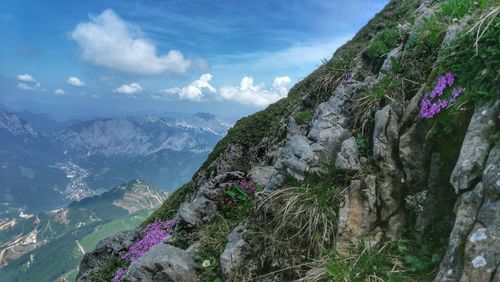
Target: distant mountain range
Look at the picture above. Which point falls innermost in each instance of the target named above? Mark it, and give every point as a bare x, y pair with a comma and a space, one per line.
49, 245
45, 163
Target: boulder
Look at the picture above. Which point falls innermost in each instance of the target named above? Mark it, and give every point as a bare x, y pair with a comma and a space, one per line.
163, 262
261, 174
200, 209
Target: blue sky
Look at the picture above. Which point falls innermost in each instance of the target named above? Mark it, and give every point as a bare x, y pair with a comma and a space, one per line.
102, 58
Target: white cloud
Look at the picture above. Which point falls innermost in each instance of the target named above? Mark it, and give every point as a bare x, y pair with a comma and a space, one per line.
129, 89
192, 92
110, 42
59, 91
75, 81
24, 86
29, 86
26, 78
256, 95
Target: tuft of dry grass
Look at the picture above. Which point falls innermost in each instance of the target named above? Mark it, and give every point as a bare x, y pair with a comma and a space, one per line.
486, 20
305, 214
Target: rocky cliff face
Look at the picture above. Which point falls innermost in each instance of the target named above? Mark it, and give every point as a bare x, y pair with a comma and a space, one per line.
383, 164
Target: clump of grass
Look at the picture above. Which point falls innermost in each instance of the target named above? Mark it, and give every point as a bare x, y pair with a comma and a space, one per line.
303, 117
364, 264
306, 212
403, 260
390, 90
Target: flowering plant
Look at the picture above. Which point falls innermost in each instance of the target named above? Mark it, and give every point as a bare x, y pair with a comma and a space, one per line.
240, 193
153, 234
120, 272
430, 105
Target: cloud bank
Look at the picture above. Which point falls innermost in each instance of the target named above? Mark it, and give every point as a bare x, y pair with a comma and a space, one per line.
194, 91
246, 93
108, 41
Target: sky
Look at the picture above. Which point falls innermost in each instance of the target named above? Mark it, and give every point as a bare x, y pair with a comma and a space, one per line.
83, 59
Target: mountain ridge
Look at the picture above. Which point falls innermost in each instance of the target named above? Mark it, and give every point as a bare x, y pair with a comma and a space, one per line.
381, 164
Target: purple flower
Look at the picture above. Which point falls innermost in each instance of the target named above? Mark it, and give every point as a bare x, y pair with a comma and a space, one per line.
430, 108
120, 272
154, 233
348, 77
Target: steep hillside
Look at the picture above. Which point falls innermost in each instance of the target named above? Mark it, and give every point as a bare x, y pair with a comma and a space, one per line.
381, 165
44, 246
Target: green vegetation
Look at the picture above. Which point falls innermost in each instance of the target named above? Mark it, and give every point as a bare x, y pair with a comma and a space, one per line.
107, 271
364, 146
170, 206
402, 260
473, 56
306, 212
382, 44
303, 117
388, 91
213, 238
452, 10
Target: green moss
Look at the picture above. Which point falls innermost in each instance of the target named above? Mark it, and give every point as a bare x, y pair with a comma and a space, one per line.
170, 206
303, 117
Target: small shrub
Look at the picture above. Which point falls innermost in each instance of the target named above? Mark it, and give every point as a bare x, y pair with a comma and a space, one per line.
303, 117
